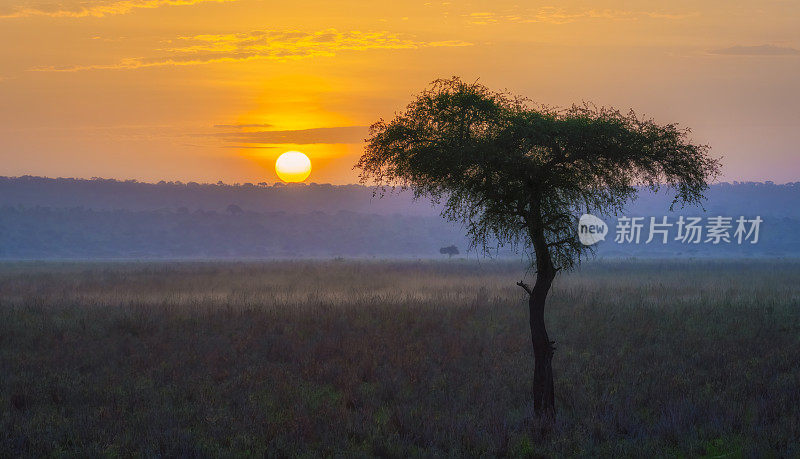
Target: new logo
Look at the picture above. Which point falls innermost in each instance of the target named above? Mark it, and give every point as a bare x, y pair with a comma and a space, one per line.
591, 229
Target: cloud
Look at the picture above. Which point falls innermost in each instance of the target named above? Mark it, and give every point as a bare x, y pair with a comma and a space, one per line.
760, 50
263, 44
554, 15
97, 8
258, 125
343, 134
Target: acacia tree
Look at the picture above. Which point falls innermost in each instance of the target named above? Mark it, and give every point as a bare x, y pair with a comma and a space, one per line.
449, 251
520, 174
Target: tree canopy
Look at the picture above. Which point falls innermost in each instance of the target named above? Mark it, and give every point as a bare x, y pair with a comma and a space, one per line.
521, 173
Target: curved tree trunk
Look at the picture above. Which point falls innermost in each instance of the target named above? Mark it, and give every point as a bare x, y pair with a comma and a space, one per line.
543, 397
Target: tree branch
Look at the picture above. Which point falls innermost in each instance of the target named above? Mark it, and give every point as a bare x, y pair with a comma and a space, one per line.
562, 241
526, 287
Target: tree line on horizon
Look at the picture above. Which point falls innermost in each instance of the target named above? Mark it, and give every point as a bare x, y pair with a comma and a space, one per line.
99, 194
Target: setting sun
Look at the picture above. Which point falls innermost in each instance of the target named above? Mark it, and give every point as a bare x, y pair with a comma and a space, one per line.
293, 166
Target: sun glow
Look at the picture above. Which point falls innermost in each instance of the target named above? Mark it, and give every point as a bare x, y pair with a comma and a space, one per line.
293, 166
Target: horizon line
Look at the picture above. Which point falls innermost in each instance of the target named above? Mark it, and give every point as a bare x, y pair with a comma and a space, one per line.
265, 184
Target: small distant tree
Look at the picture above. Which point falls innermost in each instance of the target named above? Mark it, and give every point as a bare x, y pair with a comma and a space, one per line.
521, 174
233, 209
449, 251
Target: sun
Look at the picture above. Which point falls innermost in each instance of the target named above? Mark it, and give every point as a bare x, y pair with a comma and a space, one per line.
293, 166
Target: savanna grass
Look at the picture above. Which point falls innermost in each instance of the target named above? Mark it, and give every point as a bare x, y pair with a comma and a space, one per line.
364, 358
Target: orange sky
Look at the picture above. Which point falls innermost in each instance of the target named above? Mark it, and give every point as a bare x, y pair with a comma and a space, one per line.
210, 90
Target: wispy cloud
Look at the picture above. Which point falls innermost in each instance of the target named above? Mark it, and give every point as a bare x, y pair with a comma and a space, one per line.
760, 50
96, 8
342, 134
555, 15
263, 44
252, 125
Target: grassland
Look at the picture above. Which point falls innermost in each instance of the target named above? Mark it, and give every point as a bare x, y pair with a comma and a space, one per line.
396, 358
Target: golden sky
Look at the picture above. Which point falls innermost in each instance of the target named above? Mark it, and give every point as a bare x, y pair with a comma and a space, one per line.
208, 90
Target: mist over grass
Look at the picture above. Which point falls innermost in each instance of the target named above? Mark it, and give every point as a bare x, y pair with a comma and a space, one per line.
396, 359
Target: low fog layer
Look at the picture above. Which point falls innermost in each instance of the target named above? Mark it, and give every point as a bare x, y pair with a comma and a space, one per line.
44, 218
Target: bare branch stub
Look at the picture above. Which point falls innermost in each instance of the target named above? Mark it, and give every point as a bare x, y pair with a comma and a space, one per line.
526, 287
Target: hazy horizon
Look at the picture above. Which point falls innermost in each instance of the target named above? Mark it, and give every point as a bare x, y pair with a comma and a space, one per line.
45, 218
304, 183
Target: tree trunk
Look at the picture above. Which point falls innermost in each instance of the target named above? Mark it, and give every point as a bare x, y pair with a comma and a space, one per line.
543, 397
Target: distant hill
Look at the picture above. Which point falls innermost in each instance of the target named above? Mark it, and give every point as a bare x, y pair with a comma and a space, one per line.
109, 194
42, 218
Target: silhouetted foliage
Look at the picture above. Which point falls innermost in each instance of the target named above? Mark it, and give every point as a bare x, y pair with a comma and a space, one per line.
449, 251
518, 173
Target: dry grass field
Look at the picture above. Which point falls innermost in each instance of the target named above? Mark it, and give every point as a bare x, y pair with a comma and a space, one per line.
366, 358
